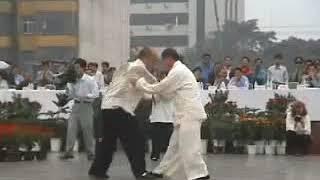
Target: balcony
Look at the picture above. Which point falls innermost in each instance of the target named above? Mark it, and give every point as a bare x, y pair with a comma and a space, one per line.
159, 8
159, 30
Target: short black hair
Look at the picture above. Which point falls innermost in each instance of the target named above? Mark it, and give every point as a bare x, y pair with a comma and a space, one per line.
299, 60
278, 56
237, 69
245, 57
93, 64
105, 63
81, 62
206, 55
170, 53
258, 59
227, 57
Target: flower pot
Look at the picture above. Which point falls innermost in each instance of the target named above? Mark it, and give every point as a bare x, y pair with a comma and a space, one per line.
55, 144
251, 149
269, 150
260, 146
281, 150
204, 146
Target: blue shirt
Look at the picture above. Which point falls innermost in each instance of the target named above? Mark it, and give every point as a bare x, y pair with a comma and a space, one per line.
207, 72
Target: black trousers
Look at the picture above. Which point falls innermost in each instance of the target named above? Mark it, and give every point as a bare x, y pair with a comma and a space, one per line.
120, 124
160, 136
297, 144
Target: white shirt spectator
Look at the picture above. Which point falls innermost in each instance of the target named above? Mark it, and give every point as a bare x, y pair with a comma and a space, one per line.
303, 126
278, 74
121, 91
162, 111
85, 89
99, 79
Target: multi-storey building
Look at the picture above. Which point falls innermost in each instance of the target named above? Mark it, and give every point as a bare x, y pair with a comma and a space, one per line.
179, 23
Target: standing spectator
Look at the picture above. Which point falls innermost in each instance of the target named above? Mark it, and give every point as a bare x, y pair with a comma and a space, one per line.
3, 82
227, 65
98, 76
239, 80
312, 77
198, 74
105, 69
277, 73
297, 76
45, 76
109, 75
84, 91
207, 68
260, 73
246, 69
298, 126
222, 78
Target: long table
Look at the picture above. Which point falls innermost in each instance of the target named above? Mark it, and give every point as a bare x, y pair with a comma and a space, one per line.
244, 98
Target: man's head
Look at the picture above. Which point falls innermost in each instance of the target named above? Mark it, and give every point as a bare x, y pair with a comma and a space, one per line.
278, 59
222, 74
169, 57
299, 61
258, 61
206, 58
227, 61
149, 57
93, 67
80, 66
245, 61
238, 73
105, 66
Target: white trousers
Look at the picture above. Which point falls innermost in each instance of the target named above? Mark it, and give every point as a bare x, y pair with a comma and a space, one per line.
184, 152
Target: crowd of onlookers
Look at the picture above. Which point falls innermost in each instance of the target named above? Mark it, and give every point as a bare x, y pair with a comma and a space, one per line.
250, 74
47, 78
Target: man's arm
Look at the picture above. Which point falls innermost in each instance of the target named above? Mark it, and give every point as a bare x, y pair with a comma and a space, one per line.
137, 72
167, 86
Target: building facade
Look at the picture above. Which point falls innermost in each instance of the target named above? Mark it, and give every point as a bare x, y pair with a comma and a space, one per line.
179, 23
36, 30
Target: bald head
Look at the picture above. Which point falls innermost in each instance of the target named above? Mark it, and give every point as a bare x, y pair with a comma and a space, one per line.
149, 57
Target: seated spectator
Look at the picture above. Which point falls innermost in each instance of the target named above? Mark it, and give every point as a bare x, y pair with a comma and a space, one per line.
312, 77
222, 79
17, 76
45, 76
3, 82
227, 65
239, 80
98, 76
277, 73
297, 76
245, 67
198, 74
260, 73
27, 82
298, 128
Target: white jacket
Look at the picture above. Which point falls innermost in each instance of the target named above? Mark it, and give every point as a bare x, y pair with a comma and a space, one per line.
181, 85
121, 92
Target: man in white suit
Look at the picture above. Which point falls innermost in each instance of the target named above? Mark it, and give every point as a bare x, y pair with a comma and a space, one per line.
185, 144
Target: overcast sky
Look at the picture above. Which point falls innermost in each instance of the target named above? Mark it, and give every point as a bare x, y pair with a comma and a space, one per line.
287, 17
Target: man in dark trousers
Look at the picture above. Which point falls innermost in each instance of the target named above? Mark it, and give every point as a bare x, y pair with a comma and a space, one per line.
118, 105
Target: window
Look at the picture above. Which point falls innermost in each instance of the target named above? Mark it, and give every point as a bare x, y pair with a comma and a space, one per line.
29, 26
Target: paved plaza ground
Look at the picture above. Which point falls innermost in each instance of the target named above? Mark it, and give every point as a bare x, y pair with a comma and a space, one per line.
223, 167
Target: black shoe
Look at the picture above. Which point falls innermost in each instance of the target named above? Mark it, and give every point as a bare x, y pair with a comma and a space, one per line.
99, 176
203, 178
154, 159
146, 175
66, 156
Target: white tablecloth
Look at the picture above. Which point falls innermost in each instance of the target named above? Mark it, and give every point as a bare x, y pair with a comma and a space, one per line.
244, 98
259, 98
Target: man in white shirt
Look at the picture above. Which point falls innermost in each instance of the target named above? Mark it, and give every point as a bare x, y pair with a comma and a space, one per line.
84, 91
97, 75
278, 74
118, 106
185, 143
